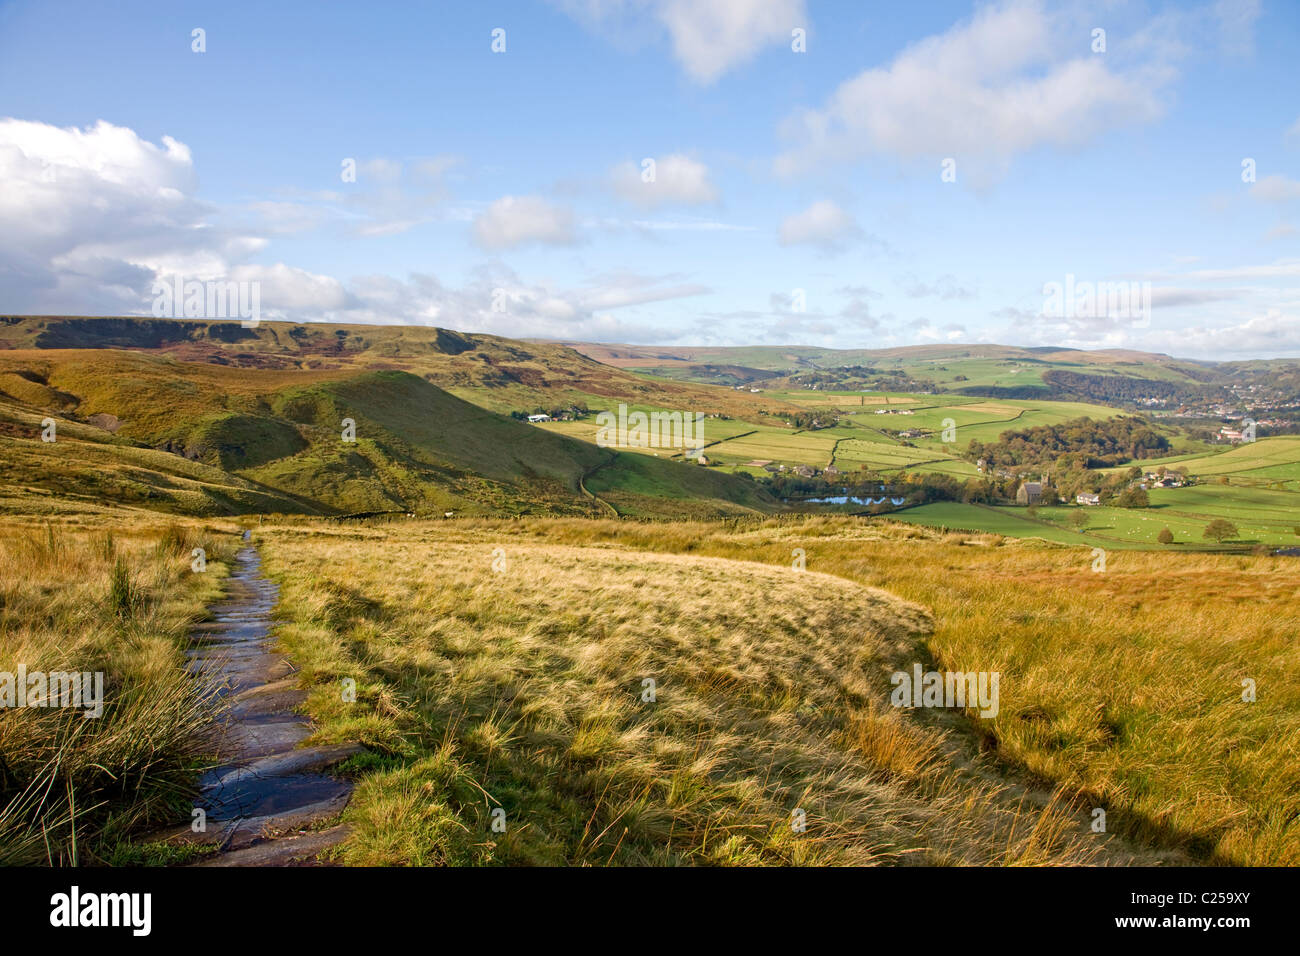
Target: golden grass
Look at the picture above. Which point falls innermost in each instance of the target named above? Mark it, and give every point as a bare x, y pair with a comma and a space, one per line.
100, 595
521, 690
1123, 688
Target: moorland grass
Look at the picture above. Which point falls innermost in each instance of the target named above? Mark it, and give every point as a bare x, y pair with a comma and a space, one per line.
115, 596
501, 667
1122, 688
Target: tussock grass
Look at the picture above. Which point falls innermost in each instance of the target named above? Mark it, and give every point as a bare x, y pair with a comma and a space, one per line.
1122, 689
116, 599
521, 690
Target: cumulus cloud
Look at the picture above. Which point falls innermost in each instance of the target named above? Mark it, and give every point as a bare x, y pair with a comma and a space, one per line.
677, 179
708, 38
89, 217
515, 220
498, 301
1273, 332
289, 292
987, 89
823, 224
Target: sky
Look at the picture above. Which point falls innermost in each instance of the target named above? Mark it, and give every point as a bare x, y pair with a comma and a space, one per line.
673, 172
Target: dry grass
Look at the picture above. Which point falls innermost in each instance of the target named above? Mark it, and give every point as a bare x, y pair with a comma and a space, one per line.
1123, 688
521, 690
118, 599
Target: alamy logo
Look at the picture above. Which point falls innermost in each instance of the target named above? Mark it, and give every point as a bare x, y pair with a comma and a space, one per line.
1128, 301
26, 688
183, 298
74, 908
977, 689
654, 430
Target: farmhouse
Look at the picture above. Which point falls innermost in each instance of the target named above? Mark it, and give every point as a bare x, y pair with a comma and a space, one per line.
1030, 493
539, 418
1088, 499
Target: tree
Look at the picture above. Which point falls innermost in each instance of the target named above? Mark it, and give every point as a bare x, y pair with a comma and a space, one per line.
1220, 530
1134, 498
1079, 519
1165, 536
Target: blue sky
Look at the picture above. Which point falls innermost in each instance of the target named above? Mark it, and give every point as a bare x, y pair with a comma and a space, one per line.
798, 197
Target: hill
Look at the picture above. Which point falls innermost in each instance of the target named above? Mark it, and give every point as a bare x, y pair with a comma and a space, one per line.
500, 374
214, 439
1118, 377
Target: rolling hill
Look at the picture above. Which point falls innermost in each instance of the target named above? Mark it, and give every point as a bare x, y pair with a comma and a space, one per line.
1111, 376
502, 375
204, 438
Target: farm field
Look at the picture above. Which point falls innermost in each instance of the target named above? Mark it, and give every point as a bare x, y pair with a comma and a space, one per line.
979, 419
779, 445
1261, 516
992, 519
1265, 461
714, 430
733, 443
883, 456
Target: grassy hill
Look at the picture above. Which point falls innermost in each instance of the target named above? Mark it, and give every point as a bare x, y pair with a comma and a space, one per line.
520, 690
502, 375
1111, 376
212, 439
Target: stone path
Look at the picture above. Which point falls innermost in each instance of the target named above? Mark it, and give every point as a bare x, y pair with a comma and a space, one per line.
267, 801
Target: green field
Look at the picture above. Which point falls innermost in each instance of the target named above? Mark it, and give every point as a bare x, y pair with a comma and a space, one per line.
1265, 461
1262, 516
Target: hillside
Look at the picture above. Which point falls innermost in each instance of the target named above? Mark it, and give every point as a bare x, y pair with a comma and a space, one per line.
626, 707
502, 375
1119, 377
212, 439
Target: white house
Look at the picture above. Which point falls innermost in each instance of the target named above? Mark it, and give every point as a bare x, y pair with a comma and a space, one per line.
1088, 499
539, 418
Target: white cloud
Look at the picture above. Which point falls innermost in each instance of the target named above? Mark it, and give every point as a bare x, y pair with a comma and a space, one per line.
677, 179
982, 92
89, 217
499, 302
822, 224
1272, 333
709, 38
626, 289
287, 292
514, 220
